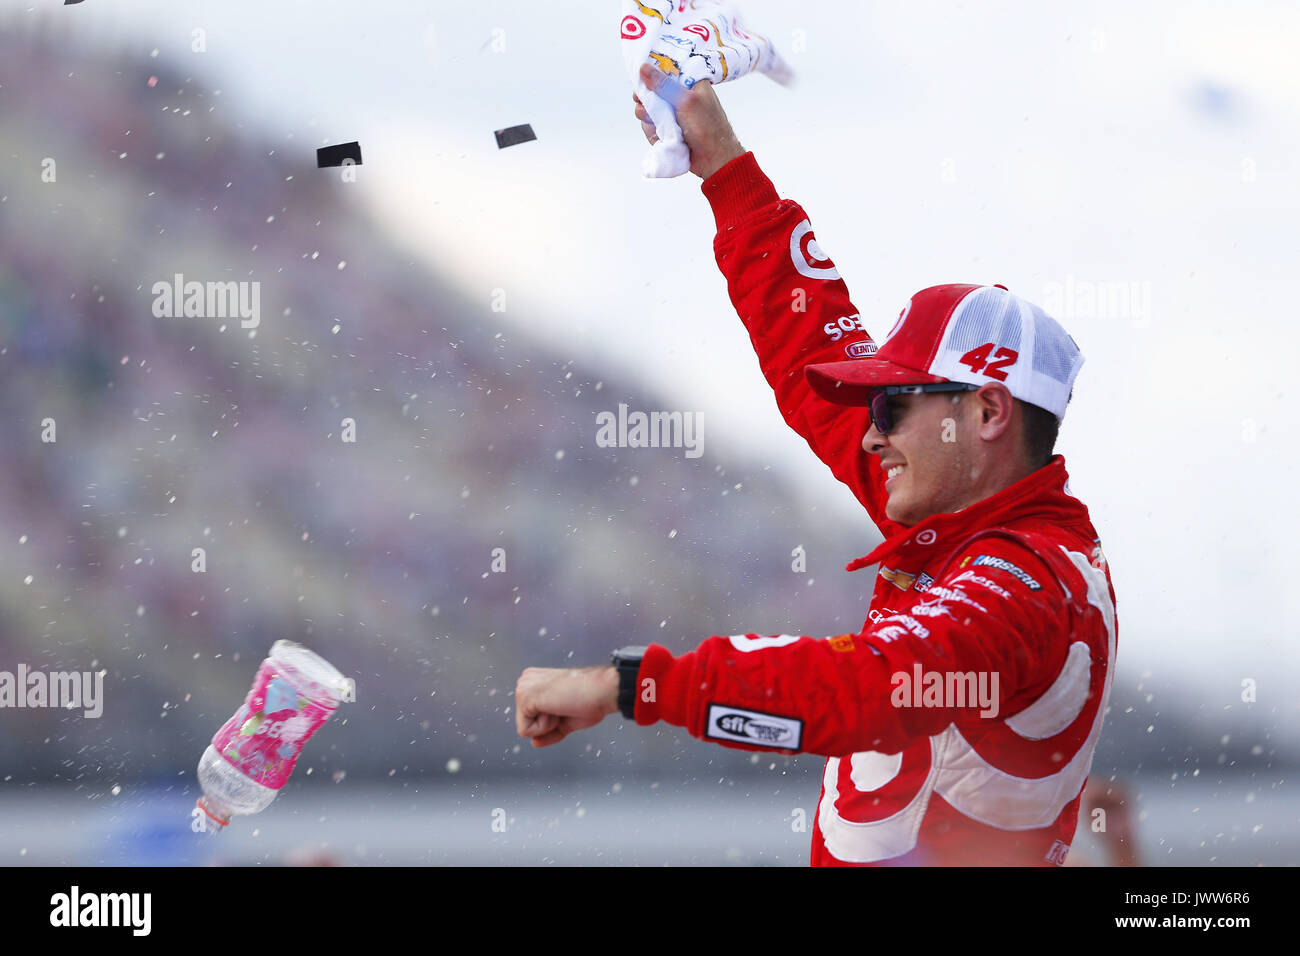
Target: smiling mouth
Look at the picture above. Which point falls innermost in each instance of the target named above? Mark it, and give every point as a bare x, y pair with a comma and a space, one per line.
894, 472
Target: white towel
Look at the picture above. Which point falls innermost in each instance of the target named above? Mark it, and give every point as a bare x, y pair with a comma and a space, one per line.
690, 40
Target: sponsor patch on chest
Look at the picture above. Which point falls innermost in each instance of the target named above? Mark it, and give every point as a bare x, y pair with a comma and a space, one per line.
905, 579
899, 579
1002, 564
753, 727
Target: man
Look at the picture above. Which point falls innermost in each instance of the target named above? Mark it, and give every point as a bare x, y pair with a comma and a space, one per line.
959, 724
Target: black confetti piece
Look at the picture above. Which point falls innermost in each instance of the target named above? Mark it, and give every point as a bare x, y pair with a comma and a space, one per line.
335, 155
515, 135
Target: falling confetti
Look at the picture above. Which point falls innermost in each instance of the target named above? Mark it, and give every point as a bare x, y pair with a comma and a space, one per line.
514, 135
336, 155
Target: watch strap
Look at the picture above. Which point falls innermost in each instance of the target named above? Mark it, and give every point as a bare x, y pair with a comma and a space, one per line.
628, 662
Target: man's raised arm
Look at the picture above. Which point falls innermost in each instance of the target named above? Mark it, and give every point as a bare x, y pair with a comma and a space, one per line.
788, 294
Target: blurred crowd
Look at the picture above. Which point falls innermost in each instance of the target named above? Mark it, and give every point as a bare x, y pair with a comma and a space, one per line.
176, 434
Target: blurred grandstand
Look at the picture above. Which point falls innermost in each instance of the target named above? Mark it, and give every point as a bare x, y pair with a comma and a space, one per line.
183, 433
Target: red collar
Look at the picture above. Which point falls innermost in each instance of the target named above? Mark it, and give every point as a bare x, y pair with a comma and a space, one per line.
1042, 494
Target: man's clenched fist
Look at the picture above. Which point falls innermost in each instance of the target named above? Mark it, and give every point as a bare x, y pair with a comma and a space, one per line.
704, 125
552, 702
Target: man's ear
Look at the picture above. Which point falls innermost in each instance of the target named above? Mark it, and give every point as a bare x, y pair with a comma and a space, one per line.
996, 407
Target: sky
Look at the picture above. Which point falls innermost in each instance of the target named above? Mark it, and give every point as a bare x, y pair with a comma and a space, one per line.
1146, 154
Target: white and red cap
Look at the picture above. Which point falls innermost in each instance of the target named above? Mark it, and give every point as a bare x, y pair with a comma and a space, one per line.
975, 334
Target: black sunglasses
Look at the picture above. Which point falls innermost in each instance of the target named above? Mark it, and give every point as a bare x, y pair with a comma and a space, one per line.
879, 403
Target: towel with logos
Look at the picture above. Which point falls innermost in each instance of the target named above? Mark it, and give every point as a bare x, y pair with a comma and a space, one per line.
689, 40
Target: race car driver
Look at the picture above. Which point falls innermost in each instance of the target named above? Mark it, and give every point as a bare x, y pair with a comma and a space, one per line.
960, 722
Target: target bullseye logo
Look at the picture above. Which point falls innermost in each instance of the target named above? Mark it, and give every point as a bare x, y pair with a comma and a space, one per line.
902, 317
808, 257
632, 28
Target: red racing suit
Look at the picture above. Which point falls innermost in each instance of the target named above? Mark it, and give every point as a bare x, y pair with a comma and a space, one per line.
960, 722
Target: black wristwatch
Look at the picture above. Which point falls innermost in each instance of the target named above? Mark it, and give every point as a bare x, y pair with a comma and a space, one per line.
628, 662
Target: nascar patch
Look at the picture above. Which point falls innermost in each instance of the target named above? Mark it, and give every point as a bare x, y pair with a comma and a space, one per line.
753, 727
1002, 564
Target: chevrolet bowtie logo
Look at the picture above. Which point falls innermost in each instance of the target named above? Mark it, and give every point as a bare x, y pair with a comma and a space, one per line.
899, 579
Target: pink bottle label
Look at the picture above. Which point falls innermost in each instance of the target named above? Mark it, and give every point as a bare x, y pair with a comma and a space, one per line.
266, 735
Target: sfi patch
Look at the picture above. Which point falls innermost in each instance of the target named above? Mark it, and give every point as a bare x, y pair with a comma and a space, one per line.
923, 582
1057, 853
753, 727
1002, 564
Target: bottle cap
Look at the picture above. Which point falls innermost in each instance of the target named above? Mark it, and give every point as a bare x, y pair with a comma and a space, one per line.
212, 823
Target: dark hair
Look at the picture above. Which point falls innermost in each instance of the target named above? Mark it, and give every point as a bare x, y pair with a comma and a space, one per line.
1040, 431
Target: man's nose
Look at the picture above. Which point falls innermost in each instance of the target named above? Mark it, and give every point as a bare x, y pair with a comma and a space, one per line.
873, 443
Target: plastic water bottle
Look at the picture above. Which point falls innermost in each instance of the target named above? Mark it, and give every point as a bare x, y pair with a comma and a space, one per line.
252, 755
